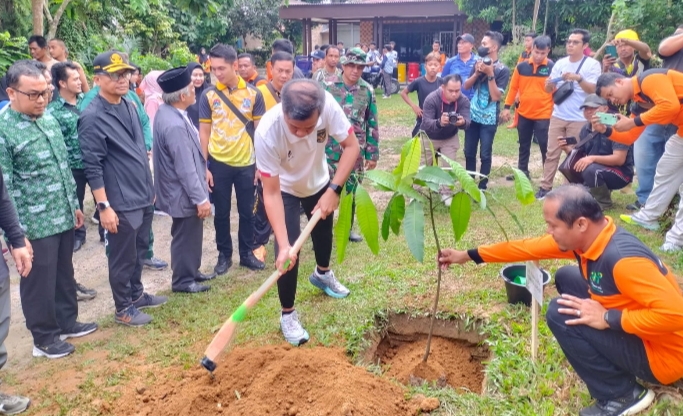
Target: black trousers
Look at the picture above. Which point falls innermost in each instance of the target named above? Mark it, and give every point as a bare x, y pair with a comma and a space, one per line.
81, 182
48, 293
615, 177
262, 228
224, 177
418, 123
607, 361
321, 236
127, 250
527, 129
187, 235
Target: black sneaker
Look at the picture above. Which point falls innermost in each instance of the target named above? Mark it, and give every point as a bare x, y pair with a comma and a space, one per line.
223, 264
13, 405
540, 195
57, 349
354, 237
149, 301
634, 206
633, 403
251, 262
155, 264
79, 330
131, 316
83, 293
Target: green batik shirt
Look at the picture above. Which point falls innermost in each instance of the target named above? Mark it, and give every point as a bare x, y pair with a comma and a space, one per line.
67, 117
36, 171
360, 107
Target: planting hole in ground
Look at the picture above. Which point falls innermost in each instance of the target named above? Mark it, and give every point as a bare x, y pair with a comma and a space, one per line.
456, 356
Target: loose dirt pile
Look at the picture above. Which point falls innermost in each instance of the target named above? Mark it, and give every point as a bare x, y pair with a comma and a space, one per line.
274, 380
454, 363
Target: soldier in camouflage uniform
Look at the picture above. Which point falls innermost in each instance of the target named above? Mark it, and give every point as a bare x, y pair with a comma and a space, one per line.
357, 99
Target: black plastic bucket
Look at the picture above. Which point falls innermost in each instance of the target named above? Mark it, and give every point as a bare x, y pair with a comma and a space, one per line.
516, 289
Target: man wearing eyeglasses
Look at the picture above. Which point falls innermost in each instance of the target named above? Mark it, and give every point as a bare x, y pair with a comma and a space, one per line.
117, 168
35, 169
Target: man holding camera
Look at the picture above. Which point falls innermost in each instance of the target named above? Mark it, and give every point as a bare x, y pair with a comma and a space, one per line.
488, 78
444, 112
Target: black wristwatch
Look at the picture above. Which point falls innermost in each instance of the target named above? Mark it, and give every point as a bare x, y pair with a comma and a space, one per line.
606, 316
491, 78
336, 188
101, 206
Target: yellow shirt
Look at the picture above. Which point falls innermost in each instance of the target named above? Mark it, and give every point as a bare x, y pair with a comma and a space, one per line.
229, 142
268, 96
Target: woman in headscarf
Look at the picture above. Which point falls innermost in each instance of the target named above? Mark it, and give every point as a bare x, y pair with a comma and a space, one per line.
200, 84
152, 91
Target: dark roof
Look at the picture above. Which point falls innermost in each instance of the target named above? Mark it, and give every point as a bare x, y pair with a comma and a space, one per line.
367, 9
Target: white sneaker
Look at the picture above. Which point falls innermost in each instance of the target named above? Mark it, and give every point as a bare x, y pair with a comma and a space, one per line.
329, 284
670, 248
291, 328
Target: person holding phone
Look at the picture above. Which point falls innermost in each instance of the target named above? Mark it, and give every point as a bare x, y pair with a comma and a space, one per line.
607, 165
627, 55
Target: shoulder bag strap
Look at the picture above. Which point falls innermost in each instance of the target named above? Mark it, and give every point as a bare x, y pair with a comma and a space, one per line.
237, 112
274, 93
581, 64
586, 139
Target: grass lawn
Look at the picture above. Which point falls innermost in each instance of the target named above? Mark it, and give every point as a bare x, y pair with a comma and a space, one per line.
117, 358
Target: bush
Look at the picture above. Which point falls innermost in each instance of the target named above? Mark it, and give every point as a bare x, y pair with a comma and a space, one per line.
180, 55
510, 54
11, 50
149, 63
261, 56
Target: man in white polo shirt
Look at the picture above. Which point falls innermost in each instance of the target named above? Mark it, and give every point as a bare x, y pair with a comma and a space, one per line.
290, 155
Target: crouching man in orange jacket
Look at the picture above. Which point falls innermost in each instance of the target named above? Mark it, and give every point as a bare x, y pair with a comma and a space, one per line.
620, 313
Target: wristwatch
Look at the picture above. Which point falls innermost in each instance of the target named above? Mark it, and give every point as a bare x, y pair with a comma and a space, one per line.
101, 206
336, 188
491, 78
606, 316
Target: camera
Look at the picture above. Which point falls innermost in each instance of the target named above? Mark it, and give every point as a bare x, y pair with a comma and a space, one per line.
453, 117
487, 61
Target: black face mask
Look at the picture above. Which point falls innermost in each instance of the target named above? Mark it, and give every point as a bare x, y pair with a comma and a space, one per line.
483, 51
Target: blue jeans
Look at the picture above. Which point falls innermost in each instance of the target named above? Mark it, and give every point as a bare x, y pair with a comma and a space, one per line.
647, 151
475, 134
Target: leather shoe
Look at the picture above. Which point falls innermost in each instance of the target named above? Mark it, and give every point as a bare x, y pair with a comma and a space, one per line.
354, 237
223, 264
251, 262
77, 245
201, 277
193, 288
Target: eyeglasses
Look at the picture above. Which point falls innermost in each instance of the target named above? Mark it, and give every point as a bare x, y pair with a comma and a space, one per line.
116, 76
33, 96
574, 42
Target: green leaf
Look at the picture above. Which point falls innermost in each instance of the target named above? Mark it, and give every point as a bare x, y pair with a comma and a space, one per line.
414, 229
461, 208
398, 212
404, 154
405, 188
412, 160
468, 184
386, 218
367, 218
523, 189
482, 203
435, 174
343, 227
425, 140
383, 179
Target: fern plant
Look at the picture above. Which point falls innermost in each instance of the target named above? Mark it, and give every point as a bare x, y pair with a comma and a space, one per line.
415, 196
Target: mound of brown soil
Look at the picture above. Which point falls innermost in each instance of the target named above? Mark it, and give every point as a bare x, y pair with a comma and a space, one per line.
272, 380
456, 363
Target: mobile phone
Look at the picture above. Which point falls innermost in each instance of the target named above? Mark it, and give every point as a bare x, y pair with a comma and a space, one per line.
570, 140
607, 119
611, 50
556, 80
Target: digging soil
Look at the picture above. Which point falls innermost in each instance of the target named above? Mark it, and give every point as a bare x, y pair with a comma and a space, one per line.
274, 380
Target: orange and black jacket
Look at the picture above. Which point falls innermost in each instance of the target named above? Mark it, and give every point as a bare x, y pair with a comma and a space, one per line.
523, 56
529, 81
627, 279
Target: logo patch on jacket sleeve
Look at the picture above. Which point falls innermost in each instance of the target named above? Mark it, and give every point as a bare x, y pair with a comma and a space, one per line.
321, 135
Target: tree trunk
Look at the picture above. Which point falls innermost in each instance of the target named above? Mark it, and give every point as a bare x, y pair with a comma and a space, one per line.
608, 33
514, 21
37, 12
537, 5
54, 22
545, 23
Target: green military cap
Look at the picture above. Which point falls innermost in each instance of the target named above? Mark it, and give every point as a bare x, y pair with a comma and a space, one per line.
354, 56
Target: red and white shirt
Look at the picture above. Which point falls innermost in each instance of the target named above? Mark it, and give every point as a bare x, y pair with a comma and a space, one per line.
300, 162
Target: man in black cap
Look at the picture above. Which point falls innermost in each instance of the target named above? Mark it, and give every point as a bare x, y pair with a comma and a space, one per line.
180, 179
117, 168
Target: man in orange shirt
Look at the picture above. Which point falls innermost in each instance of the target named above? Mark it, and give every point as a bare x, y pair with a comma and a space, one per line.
524, 56
535, 105
657, 94
436, 49
620, 313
